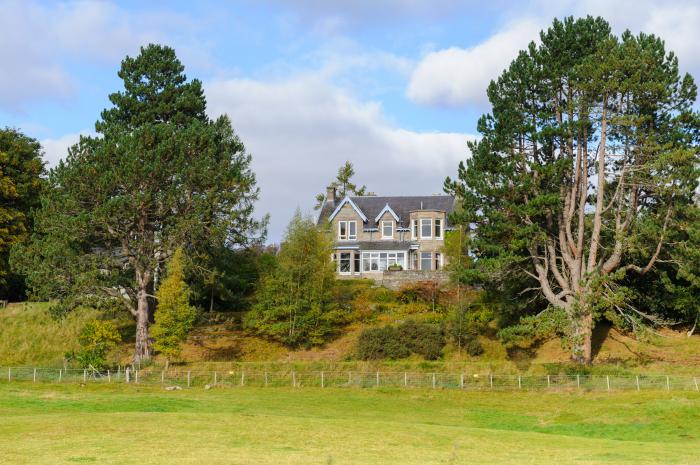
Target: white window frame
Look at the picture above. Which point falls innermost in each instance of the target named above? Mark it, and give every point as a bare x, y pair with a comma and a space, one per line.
430, 220
352, 237
414, 229
348, 236
391, 224
391, 256
436, 222
340, 263
430, 259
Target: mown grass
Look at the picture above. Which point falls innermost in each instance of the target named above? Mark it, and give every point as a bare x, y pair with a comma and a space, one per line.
63, 424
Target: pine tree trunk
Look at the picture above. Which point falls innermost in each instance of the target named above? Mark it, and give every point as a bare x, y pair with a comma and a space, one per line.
582, 346
142, 350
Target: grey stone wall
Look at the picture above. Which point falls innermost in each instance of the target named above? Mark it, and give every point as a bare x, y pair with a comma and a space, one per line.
396, 279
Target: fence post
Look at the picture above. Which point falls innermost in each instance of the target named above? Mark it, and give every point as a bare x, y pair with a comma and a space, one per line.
60, 375
9, 373
377, 378
461, 380
162, 376
405, 379
242, 377
433, 380
491, 381
519, 384
84, 376
188, 379
578, 381
637, 378
136, 376
215, 380
607, 380
668, 383
294, 379
322, 381
548, 383
119, 371
349, 378
109, 376
34, 377
266, 379
126, 371
695, 380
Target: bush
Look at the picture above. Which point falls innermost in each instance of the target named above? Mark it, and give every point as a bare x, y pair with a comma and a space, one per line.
398, 342
473, 347
96, 339
381, 343
422, 291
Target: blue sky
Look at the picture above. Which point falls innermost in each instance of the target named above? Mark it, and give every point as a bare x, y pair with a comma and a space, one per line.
395, 86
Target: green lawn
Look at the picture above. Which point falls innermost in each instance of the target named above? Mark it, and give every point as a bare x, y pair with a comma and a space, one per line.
50, 424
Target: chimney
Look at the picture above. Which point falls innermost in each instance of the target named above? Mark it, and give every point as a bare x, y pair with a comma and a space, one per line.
330, 194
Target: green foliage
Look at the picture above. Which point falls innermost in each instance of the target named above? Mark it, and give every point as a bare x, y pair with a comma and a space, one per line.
294, 302
344, 185
21, 169
546, 228
174, 315
464, 323
159, 174
391, 342
534, 328
96, 339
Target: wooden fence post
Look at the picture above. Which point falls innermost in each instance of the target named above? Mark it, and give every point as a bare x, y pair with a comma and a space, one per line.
578, 381
433, 380
695, 380
637, 379
491, 381
242, 377
34, 376
520, 386
548, 382
405, 379
109, 376
136, 376
188, 379
162, 376
84, 376
294, 379
377, 378
668, 383
215, 380
266, 379
607, 380
60, 375
349, 378
9, 373
323, 384
461, 380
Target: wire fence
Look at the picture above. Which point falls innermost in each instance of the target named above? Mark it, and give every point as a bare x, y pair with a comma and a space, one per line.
347, 379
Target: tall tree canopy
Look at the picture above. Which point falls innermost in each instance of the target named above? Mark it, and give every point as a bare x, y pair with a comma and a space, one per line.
585, 163
159, 175
343, 183
21, 169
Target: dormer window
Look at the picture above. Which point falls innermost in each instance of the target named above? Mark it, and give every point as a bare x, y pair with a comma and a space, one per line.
347, 230
387, 229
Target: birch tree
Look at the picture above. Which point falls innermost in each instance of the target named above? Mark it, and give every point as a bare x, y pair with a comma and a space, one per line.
591, 145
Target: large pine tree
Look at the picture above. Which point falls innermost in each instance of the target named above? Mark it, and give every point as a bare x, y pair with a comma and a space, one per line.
587, 158
159, 175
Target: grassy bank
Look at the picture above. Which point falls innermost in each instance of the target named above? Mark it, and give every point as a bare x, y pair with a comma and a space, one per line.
128, 425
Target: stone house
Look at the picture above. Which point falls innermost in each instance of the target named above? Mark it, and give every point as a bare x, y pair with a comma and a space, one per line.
375, 235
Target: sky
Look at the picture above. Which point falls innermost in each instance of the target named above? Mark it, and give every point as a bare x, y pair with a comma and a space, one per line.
394, 86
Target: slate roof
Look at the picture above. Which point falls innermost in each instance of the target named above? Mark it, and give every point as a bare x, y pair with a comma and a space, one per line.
371, 206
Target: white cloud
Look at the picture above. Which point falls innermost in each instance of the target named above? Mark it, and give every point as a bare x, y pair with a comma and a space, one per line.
458, 76
39, 39
300, 130
57, 149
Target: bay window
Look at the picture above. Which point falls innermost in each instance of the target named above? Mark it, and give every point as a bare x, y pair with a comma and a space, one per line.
425, 259
426, 228
381, 261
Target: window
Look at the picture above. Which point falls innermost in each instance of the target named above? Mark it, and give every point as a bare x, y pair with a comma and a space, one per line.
347, 230
438, 261
352, 230
380, 261
414, 230
425, 259
387, 229
438, 228
426, 227
345, 262
356, 267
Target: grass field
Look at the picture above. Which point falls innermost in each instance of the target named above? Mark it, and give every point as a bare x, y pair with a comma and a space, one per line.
68, 424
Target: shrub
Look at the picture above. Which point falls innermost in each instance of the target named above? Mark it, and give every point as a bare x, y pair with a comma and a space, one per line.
96, 339
381, 343
473, 347
422, 291
399, 342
